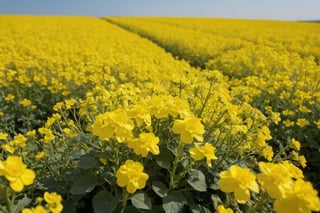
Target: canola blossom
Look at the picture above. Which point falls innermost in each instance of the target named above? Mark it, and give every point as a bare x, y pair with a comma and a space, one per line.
301, 197
134, 115
222, 209
37, 209
147, 142
238, 180
190, 128
16, 172
131, 176
206, 151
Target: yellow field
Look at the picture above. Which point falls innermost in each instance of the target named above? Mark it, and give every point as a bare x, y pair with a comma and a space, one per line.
158, 114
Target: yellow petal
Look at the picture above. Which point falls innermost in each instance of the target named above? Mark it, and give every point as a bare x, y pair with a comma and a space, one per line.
241, 195
16, 185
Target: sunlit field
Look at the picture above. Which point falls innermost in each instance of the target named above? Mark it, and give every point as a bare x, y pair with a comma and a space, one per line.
159, 115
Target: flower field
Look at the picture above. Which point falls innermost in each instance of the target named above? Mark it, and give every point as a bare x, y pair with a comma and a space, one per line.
158, 115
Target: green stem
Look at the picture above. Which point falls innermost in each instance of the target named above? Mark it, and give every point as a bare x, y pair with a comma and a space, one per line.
278, 155
10, 202
175, 166
126, 195
205, 100
115, 147
256, 207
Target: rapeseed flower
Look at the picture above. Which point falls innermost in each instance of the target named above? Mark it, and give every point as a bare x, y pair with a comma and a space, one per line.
190, 128
132, 176
19, 140
9, 147
302, 122
199, 152
238, 180
288, 123
54, 201
48, 135
299, 197
262, 136
9, 97
113, 124
16, 172
295, 144
147, 142
37, 209
3, 136
221, 209
141, 114
267, 152
25, 102
276, 178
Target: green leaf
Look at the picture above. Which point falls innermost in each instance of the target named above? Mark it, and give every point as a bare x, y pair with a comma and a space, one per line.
87, 162
104, 202
69, 206
131, 209
160, 188
21, 204
194, 208
197, 180
141, 201
165, 158
216, 200
173, 202
84, 184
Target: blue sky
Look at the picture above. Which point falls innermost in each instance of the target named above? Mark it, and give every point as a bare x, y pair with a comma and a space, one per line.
250, 9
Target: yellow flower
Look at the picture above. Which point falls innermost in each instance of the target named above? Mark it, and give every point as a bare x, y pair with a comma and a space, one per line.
304, 109
275, 117
31, 133
221, 209
302, 160
1, 113
147, 142
301, 122
132, 176
275, 178
189, 128
37, 209
238, 180
288, 123
40, 155
288, 112
317, 123
54, 201
113, 124
3, 136
263, 135
69, 103
25, 102
9, 97
58, 106
207, 151
300, 197
19, 140
141, 114
48, 135
16, 172
8, 148
295, 144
